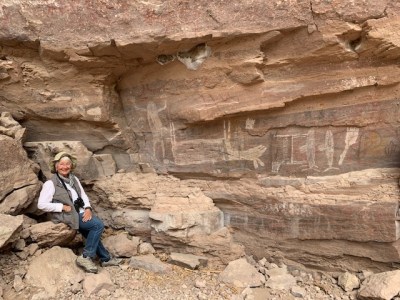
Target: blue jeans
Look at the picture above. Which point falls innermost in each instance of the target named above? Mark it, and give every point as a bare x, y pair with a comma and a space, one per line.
91, 231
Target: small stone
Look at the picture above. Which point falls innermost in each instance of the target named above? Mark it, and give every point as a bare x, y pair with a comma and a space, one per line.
311, 28
76, 288
200, 284
272, 266
32, 248
298, 292
348, 281
18, 285
262, 262
22, 255
19, 245
104, 293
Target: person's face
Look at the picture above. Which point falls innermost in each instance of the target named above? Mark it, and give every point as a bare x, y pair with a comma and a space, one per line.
64, 166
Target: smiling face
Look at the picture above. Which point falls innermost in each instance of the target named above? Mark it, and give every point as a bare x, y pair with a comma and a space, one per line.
64, 166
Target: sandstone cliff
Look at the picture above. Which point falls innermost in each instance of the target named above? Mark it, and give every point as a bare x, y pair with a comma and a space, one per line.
280, 119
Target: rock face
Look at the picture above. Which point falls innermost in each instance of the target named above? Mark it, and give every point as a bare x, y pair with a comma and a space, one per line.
280, 118
9, 229
53, 270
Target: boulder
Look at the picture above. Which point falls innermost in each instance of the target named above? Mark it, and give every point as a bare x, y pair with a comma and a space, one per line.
241, 274
94, 283
380, 286
188, 261
348, 281
9, 229
146, 248
18, 180
279, 279
122, 245
150, 263
89, 166
135, 222
53, 270
48, 234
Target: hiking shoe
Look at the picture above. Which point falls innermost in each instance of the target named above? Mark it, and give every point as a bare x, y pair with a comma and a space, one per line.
87, 264
111, 262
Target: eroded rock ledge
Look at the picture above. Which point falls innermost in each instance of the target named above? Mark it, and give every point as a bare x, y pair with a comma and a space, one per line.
279, 120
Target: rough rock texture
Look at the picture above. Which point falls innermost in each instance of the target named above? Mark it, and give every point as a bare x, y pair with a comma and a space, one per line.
283, 113
48, 234
241, 274
53, 270
9, 229
381, 286
18, 181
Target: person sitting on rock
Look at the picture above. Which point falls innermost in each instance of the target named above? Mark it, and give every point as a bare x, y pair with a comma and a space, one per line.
66, 201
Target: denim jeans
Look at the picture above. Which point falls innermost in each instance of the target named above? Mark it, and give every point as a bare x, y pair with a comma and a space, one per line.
91, 231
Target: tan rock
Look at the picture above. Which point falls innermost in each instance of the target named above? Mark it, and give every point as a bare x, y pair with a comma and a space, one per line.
53, 270
17, 178
282, 109
348, 281
383, 286
188, 260
135, 222
279, 279
10, 127
45, 151
48, 234
20, 199
146, 248
94, 283
150, 263
241, 274
9, 229
122, 245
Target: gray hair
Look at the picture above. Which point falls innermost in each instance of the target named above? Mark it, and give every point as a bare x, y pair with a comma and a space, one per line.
62, 158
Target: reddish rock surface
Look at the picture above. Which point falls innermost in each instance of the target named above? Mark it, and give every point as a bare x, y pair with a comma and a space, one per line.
284, 113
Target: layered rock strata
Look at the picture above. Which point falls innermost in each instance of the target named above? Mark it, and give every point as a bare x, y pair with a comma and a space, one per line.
282, 117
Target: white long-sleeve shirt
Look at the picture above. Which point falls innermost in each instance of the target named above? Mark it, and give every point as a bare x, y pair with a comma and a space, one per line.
47, 193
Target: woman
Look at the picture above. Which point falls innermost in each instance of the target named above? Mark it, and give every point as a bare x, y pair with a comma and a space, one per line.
64, 197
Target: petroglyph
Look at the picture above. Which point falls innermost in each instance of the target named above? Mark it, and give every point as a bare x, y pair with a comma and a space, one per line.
310, 150
196, 151
199, 151
252, 154
250, 123
286, 152
160, 134
350, 139
329, 149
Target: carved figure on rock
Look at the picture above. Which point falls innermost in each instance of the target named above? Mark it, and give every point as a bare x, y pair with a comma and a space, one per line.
160, 133
329, 150
350, 139
252, 154
65, 199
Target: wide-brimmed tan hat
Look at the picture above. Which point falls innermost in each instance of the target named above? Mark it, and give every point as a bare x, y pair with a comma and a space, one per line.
57, 158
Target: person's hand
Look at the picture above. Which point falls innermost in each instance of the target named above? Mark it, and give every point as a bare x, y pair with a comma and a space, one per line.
66, 208
87, 215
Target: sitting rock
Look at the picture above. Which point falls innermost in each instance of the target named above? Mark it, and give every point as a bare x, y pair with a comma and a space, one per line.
48, 234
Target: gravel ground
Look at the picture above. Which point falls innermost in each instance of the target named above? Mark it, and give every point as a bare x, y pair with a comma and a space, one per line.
181, 283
